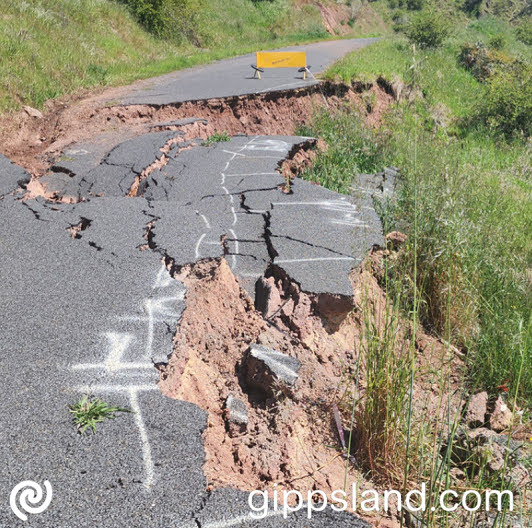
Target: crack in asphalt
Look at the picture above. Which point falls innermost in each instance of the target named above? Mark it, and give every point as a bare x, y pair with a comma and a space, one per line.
190, 217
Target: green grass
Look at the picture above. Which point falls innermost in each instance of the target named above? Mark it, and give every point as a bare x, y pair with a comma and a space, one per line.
465, 201
54, 47
88, 412
469, 190
217, 137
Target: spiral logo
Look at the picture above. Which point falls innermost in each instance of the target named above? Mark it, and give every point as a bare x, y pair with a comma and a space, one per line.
31, 494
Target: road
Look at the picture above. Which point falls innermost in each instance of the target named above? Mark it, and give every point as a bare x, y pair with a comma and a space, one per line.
231, 77
89, 307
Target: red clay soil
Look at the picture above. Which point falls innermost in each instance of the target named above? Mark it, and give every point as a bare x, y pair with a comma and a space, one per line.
35, 143
291, 440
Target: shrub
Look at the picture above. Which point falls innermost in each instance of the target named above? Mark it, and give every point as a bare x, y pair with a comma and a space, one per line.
507, 105
497, 42
415, 5
427, 29
481, 62
170, 19
524, 31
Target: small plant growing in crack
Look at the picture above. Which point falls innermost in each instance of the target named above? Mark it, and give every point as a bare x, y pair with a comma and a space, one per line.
217, 137
88, 412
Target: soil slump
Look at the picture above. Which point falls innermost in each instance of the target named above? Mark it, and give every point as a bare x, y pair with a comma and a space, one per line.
289, 439
36, 143
287, 435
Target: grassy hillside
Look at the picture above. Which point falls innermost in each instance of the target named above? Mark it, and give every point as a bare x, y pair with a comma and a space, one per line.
462, 142
53, 47
465, 198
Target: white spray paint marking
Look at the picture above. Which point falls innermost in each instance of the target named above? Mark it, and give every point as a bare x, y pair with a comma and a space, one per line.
118, 344
244, 156
146, 449
197, 253
236, 248
158, 310
164, 279
289, 261
275, 145
355, 222
238, 520
205, 219
231, 198
118, 389
254, 174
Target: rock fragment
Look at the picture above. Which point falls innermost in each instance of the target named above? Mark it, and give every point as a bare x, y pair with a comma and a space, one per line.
269, 370
32, 112
236, 414
501, 417
476, 410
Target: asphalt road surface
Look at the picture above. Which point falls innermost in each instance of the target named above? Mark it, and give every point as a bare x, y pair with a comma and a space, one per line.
229, 77
87, 308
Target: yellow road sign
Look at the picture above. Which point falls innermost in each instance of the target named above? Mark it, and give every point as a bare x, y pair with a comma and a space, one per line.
281, 59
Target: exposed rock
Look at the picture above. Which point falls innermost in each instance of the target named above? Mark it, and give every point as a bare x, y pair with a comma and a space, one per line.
32, 112
520, 477
269, 370
481, 435
457, 474
236, 415
475, 415
491, 455
501, 417
267, 297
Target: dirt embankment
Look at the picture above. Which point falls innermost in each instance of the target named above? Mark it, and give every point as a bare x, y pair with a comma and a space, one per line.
35, 143
290, 439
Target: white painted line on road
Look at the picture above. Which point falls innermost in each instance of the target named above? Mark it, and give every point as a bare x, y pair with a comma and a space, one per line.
289, 261
197, 253
146, 449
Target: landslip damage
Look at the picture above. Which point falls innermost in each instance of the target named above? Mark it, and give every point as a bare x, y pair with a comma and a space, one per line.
275, 268
35, 143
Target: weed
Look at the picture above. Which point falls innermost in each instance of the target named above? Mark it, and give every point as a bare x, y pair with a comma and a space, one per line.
88, 412
217, 137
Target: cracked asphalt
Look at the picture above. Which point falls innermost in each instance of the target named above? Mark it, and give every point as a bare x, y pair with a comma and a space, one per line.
90, 308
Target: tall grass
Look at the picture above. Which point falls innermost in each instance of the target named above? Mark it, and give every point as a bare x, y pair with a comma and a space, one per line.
469, 190
465, 202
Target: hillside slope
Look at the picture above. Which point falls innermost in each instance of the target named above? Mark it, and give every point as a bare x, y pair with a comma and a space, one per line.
53, 47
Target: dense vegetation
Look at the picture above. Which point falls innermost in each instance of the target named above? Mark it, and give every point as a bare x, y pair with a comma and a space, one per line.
461, 138
464, 149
